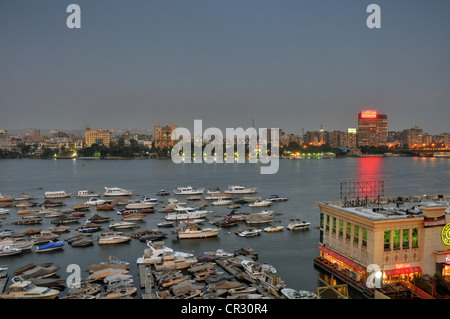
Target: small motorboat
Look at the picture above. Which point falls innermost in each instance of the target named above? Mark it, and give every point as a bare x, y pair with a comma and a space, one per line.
113, 238
166, 224
86, 193
297, 224
250, 233
272, 229
122, 225
27, 290
52, 246
222, 202
9, 250
260, 203
276, 198
163, 192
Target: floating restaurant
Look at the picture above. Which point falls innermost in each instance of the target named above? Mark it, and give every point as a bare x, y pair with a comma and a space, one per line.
372, 244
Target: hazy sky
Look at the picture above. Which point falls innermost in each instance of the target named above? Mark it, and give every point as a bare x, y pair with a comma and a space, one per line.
290, 64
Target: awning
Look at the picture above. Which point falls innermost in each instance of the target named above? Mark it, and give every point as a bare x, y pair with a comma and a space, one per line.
402, 271
345, 260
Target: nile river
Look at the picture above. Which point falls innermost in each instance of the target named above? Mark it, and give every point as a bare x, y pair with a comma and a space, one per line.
303, 182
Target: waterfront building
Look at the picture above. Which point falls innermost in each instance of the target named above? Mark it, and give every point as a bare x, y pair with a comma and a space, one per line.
372, 128
399, 237
100, 137
163, 136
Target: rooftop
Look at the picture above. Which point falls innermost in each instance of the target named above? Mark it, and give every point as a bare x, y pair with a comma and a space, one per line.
390, 208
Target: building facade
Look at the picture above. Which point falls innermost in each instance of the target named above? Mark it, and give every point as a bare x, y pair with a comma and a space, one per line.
163, 136
100, 137
399, 241
3, 139
372, 128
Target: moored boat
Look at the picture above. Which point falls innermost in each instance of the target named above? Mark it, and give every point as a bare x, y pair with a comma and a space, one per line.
272, 229
86, 193
27, 290
188, 190
297, 224
56, 194
52, 246
239, 189
117, 191
260, 203
113, 238
9, 250
193, 231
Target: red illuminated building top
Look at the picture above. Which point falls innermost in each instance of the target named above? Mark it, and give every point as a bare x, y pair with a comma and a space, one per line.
369, 114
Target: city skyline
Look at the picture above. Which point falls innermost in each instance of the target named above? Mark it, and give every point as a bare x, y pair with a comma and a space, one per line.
292, 65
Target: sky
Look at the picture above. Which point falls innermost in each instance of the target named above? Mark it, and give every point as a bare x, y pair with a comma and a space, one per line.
290, 64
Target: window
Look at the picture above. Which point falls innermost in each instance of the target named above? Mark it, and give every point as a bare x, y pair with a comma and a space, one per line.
341, 228
415, 238
364, 242
405, 238
356, 235
334, 226
387, 240
396, 239
321, 220
349, 231
327, 222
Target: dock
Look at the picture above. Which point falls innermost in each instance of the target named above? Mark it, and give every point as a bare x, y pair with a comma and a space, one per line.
3, 280
146, 281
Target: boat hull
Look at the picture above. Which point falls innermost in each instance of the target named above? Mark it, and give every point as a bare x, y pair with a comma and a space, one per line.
198, 234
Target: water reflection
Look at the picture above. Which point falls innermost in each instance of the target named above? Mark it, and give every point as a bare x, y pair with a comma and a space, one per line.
370, 169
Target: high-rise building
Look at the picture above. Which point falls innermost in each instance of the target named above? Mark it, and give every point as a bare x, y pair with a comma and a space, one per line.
372, 128
3, 139
100, 137
163, 136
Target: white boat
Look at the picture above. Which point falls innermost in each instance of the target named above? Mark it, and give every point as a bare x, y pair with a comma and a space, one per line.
140, 205
117, 191
155, 250
239, 189
181, 212
296, 224
95, 201
4, 211
250, 233
193, 231
221, 202
148, 199
276, 198
188, 190
122, 225
86, 193
272, 229
24, 197
9, 250
261, 203
56, 194
27, 290
113, 238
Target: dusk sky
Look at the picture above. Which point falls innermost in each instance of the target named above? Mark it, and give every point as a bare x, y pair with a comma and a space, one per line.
291, 64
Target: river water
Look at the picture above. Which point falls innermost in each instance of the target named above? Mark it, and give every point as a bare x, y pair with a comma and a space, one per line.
303, 182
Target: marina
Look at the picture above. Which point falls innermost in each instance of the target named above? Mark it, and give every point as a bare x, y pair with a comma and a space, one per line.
84, 235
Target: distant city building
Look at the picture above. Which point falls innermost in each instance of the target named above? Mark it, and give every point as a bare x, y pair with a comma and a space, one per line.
100, 137
372, 128
3, 139
163, 136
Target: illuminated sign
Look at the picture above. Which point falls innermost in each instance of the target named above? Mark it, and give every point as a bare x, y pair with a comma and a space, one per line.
369, 114
445, 234
402, 266
351, 130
